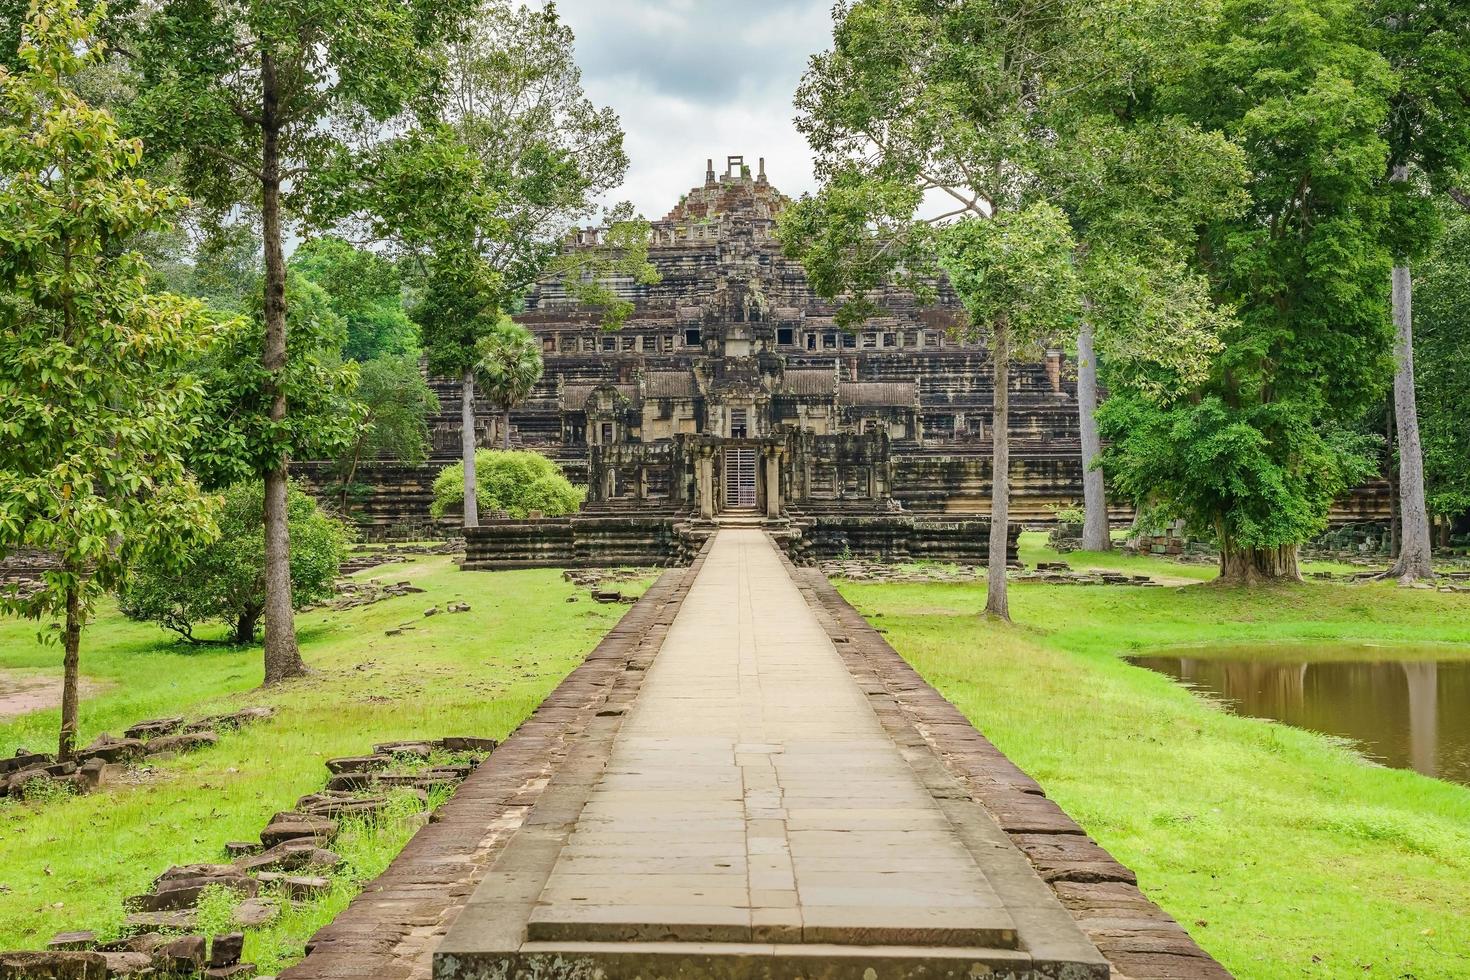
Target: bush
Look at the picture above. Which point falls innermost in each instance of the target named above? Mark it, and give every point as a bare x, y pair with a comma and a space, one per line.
224, 580
514, 481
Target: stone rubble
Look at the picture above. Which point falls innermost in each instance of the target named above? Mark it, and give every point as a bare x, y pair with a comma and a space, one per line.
289, 864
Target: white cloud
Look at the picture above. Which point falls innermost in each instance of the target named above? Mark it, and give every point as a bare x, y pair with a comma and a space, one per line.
699, 79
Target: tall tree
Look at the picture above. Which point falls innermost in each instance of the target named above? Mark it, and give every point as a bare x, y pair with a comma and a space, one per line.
97, 408
1255, 455
960, 102
510, 365
1442, 358
364, 290
484, 196
255, 97
1427, 43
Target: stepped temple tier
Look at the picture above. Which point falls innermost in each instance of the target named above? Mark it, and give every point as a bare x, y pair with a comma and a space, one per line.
731, 393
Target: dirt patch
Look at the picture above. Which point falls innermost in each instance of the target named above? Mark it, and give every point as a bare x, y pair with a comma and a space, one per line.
22, 692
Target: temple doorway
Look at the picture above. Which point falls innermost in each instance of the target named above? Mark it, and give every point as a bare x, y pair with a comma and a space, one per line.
740, 478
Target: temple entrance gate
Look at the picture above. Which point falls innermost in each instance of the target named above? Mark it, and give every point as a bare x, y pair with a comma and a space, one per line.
740, 478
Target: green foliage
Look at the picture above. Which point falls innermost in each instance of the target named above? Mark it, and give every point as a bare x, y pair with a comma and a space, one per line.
1015, 267
364, 290
510, 364
1442, 366
483, 195
516, 482
97, 406
395, 401
224, 580
1255, 451
237, 437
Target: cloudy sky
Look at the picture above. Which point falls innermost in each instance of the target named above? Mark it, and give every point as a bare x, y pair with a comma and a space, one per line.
693, 79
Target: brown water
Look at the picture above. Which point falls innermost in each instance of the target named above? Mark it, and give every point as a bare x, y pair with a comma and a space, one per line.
1406, 713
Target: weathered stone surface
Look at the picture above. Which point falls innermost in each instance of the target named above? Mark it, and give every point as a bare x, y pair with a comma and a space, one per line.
241, 848
183, 955
226, 949
53, 965
469, 744
24, 760
254, 912
155, 728
226, 972
297, 826
109, 749
127, 964
292, 854
359, 763
81, 939
181, 920
232, 720
417, 749
182, 742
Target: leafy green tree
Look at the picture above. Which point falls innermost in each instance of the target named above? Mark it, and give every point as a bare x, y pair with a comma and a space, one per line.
1257, 452
514, 481
97, 408
1428, 134
964, 103
396, 403
253, 99
223, 580
483, 196
365, 292
1442, 359
238, 438
510, 365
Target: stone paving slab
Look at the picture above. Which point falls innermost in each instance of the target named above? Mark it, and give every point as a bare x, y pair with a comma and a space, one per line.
755, 816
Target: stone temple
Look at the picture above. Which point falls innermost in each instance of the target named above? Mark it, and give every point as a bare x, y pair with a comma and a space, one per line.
730, 393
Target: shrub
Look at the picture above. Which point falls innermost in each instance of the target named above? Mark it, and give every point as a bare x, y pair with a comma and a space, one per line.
224, 580
515, 481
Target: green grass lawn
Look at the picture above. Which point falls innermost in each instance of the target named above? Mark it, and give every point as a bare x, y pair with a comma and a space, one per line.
68, 863
1283, 852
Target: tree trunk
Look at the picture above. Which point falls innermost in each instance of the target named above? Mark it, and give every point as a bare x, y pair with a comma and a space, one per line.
282, 657
1256, 566
71, 644
997, 604
1393, 485
244, 631
467, 443
1414, 542
1095, 536
505, 428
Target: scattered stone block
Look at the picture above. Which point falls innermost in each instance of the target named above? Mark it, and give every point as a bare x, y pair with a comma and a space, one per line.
469, 744
458, 607
91, 775
431, 611
81, 939
184, 955
300, 888
24, 760
109, 749
241, 848
155, 728
420, 748
226, 949
182, 920
296, 826
182, 742
234, 719
53, 965
128, 964
253, 913
226, 972
290, 855
358, 763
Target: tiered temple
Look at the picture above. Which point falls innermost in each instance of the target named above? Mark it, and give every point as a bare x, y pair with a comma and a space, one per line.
731, 390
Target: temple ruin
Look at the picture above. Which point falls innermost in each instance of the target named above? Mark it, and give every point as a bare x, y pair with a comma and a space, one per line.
731, 393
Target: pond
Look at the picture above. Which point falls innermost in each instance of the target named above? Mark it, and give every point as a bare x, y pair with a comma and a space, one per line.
1404, 707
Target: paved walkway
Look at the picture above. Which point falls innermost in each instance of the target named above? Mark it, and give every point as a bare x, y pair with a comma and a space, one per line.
747, 814
752, 794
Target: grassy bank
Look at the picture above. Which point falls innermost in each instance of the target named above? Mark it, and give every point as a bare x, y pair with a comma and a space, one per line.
68, 863
1283, 852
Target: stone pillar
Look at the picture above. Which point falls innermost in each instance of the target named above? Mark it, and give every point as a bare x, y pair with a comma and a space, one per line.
706, 489
1054, 370
773, 485
762, 177
709, 172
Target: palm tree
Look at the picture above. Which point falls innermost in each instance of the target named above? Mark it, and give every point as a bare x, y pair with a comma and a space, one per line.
509, 367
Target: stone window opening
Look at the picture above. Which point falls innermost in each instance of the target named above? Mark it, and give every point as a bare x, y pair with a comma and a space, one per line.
784, 336
628, 343
848, 340
692, 337
870, 341
890, 340
829, 341
650, 345
739, 423
811, 341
